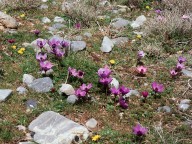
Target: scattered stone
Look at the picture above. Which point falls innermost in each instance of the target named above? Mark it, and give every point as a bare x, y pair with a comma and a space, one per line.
87, 34
166, 109
41, 85
7, 21
114, 83
138, 22
57, 26
104, 3
46, 20
22, 90
66, 6
187, 72
184, 104
120, 23
132, 93
27, 142
44, 0
58, 19
67, 89
4, 94
91, 123
120, 41
53, 128
21, 128
72, 99
31, 104
28, 79
78, 45
43, 6
106, 45
78, 38
185, 101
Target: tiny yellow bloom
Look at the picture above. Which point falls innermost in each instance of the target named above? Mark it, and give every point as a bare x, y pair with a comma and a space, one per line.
139, 36
22, 15
96, 137
20, 51
5, 12
14, 47
112, 61
147, 7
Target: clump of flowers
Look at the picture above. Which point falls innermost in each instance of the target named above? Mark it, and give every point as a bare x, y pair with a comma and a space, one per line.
21, 50
96, 138
112, 62
45, 65
83, 90
157, 87
139, 130
75, 73
41, 43
41, 56
180, 65
104, 75
141, 70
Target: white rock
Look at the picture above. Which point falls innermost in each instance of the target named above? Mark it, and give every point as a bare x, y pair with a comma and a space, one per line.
183, 107
78, 45
91, 123
138, 22
7, 21
43, 6
67, 89
104, 3
22, 90
187, 72
72, 99
28, 79
46, 20
106, 45
28, 142
132, 92
120, 23
21, 128
185, 101
87, 34
120, 41
53, 128
114, 83
44, 0
4, 94
59, 19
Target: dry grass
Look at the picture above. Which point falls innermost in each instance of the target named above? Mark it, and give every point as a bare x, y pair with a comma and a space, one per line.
20, 4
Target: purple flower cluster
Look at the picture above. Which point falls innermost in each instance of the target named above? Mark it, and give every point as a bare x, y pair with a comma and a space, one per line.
76, 73
82, 91
157, 88
139, 130
104, 75
180, 65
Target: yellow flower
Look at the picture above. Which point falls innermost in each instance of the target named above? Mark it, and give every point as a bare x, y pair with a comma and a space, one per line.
5, 12
22, 15
96, 137
23, 49
112, 61
147, 7
14, 47
139, 36
20, 51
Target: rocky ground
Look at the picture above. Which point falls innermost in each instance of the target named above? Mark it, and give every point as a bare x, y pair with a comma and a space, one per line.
113, 72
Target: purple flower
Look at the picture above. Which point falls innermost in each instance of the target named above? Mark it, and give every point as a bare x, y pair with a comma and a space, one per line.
145, 94
80, 74
41, 56
36, 32
157, 88
181, 59
173, 72
140, 54
41, 43
105, 81
158, 11
123, 103
115, 91
64, 44
139, 130
72, 71
46, 65
58, 52
11, 41
180, 66
104, 72
85, 87
185, 17
141, 70
124, 90
77, 25
54, 43
80, 93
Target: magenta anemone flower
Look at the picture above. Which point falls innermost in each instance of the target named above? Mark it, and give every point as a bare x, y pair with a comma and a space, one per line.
80, 93
173, 72
41, 43
115, 91
158, 11
64, 44
11, 41
104, 72
145, 94
46, 65
58, 52
54, 43
36, 32
181, 59
85, 87
157, 88
138, 130
105, 81
41, 56
185, 17
77, 25
180, 66
124, 90
80, 74
72, 71
140, 54
142, 70
122, 103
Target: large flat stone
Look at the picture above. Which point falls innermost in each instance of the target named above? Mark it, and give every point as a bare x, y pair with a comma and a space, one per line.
4, 94
53, 128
